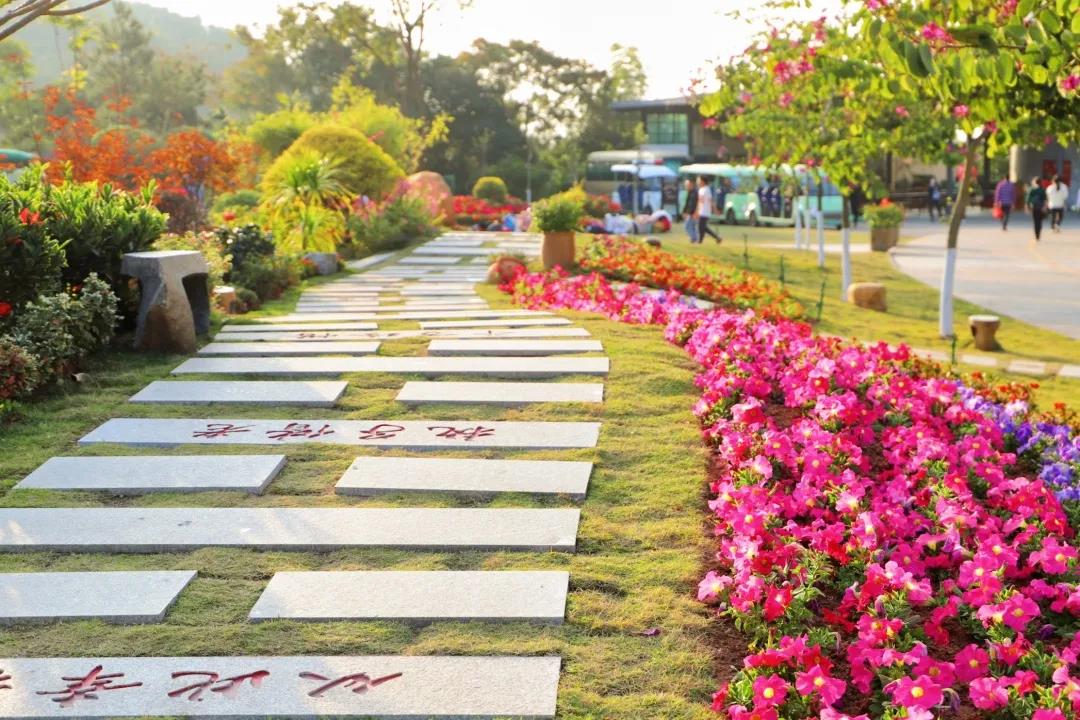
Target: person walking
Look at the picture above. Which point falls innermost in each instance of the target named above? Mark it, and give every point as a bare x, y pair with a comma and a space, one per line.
933, 199
1057, 197
1005, 198
704, 210
689, 212
1036, 200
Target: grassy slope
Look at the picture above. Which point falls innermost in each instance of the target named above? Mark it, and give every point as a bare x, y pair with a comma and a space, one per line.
912, 315
640, 541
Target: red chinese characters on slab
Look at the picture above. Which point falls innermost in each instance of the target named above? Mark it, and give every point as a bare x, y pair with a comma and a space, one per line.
220, 430
87, 687
299, 430
213, 682
466, 434
358, 683
4, 679
382, 431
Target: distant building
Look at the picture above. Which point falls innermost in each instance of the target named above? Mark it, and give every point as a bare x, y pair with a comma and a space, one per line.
673, 125
1045, 162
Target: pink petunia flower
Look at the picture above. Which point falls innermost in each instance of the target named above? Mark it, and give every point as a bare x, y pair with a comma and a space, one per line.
816, 680
921, 693
988, 693
769, 691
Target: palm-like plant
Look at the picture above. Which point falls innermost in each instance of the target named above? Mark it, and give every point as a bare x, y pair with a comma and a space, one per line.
311, 179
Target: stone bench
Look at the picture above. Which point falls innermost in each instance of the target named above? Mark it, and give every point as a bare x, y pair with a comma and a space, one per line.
175, 303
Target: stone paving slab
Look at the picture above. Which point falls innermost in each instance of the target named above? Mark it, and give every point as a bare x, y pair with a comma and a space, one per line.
412, 315
462, 309
460, 251
413, 260
504, 322
456, 242
347, 335
980, 360
1027, 367
1070, 371
516, 348
154, 530
300, 327
417, 597
415, 434
284, 349
378, 474
523, 367
496, 393
298, 688
412, 303
128, 598
369, 261
140, 474
297, 393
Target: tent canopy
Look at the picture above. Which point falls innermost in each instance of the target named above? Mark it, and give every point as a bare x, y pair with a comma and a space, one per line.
645, 172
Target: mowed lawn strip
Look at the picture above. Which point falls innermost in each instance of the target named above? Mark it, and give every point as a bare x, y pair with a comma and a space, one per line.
639, 548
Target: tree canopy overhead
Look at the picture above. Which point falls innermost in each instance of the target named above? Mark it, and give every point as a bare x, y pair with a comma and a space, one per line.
17, 14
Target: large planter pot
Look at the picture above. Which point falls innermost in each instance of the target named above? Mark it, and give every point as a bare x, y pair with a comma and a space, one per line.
883, 238
325, 263
557, 249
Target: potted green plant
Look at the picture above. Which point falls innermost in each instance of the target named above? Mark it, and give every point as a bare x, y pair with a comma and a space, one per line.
884, 220
558, 218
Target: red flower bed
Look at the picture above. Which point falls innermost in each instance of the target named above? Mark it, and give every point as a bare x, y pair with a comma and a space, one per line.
469, 210
621, 259
876, 541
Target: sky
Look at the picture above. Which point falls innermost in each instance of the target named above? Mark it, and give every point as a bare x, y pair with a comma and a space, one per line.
676, 40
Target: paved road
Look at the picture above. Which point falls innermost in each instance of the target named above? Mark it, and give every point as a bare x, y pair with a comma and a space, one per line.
1007, 272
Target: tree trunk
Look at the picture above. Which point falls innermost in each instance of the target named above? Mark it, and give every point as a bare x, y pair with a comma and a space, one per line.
945, 306
845, 246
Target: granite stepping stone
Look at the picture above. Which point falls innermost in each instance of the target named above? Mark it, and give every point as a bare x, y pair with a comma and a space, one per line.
260, 392
140, 474
369, 261
234, 687
493, 348
155, 530
522, 367
303, 347
496, 393
1069, 371
1027, 367
413, 260
401, 315
415, 597
415, 434
128, 598
501, 596
459, 251
346, 335
504, 322
378, 474
299, 327
440, 309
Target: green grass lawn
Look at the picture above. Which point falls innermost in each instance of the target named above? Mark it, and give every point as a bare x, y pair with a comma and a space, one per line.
912, 314
639, 550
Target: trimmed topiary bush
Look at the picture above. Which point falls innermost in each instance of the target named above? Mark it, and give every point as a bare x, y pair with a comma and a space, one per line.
364, 168
492, 189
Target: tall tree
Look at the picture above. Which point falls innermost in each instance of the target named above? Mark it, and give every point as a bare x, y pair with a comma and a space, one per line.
1005, 72
17, 14
411, 18
308, 51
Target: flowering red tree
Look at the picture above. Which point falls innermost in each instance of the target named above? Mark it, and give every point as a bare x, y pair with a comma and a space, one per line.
1006, 72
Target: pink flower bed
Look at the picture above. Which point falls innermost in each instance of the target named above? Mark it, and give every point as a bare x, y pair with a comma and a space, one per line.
874, 541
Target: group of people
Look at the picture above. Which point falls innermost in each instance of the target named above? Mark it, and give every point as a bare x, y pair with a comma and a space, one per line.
1042, 199
698, 209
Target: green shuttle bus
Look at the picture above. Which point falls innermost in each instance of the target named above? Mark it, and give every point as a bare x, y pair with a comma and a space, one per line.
748, 195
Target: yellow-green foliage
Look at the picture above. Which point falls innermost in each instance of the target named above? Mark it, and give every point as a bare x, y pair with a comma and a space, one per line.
274, 132
403, 138
490, 188
364, 167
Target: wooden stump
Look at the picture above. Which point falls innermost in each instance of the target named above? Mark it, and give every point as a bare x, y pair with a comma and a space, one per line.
867, 295
984, 329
